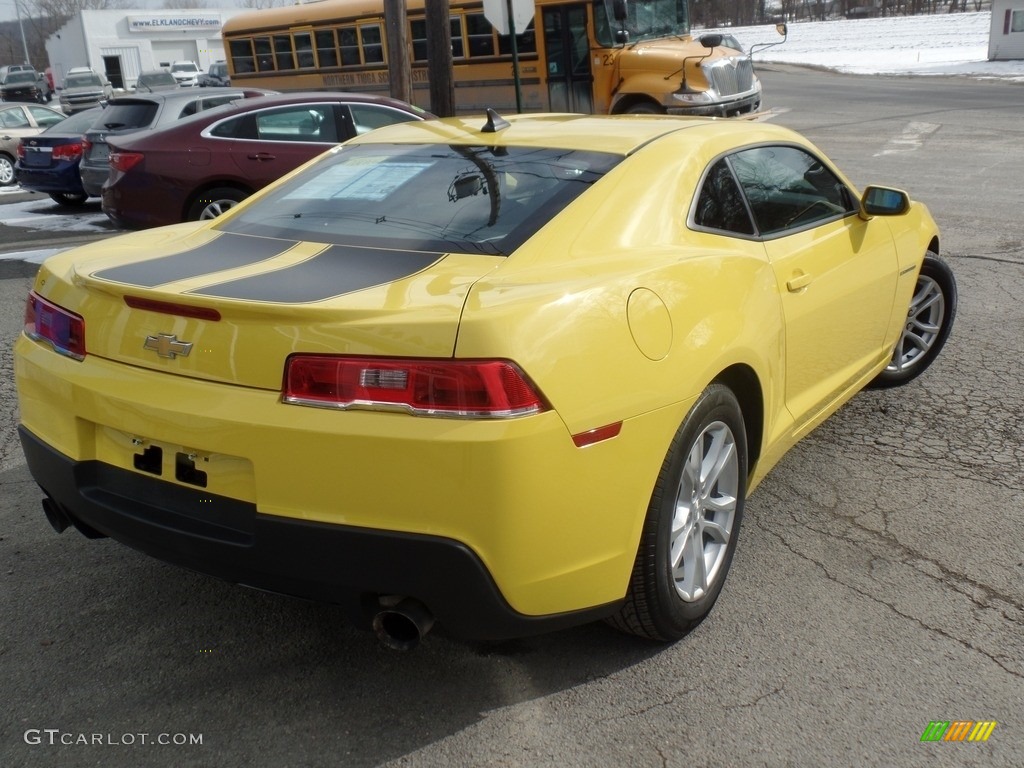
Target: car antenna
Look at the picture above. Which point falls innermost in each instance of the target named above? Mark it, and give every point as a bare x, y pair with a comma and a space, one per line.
495, 122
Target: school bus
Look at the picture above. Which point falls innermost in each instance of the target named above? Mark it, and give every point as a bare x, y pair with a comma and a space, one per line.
596, 56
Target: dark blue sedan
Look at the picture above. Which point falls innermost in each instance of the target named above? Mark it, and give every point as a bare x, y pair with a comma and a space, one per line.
48, 162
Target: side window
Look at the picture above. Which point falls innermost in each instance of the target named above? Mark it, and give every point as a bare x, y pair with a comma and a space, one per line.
366, 117
241, 127
789, 188
306, 122
720, 203
14, 118
44, 117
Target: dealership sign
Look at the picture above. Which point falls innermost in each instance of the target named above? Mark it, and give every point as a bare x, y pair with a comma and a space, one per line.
183, 21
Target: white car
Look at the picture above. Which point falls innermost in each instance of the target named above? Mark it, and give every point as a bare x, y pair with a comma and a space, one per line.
186, 73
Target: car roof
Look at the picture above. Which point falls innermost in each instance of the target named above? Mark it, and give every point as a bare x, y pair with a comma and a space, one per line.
617, 134
173, 97
298, 97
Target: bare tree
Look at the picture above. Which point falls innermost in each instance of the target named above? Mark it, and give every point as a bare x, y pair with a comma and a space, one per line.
184, 4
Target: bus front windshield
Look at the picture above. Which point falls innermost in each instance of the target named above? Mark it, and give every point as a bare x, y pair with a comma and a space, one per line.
645, 20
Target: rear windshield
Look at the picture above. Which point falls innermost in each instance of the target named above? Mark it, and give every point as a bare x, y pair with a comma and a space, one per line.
128, 114
79, 122
426, 197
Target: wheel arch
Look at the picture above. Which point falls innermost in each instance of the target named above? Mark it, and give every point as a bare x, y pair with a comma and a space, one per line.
207, 186
742, 380
630, 100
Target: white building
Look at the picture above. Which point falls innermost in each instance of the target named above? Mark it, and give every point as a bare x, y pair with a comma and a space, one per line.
126, 42
1006, 38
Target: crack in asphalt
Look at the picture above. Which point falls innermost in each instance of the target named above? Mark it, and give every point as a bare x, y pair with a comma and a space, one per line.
1002, 662
766, 695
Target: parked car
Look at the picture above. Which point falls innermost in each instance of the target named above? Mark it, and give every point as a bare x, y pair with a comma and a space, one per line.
142, 111
186, 73
23, 85
215, 76
198, 168
16, 122
84, 90
48, 163
155, 80
507, 375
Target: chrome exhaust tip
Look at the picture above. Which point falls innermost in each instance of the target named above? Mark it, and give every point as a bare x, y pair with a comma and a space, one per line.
401, 626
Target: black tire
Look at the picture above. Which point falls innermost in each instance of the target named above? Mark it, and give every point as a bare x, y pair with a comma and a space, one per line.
6, 170
214, 202
663, 602
69, 199
929, 321
644, 108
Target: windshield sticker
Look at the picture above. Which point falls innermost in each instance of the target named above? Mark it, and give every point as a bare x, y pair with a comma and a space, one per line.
367, 179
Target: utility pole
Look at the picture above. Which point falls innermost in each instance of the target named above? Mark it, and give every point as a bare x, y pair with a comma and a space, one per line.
399, 68
17, 8
439, 58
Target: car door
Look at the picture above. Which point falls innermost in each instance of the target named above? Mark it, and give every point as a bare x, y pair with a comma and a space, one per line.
274, 141
836, 273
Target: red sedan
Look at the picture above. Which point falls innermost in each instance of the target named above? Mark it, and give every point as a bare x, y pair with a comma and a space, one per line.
201, 166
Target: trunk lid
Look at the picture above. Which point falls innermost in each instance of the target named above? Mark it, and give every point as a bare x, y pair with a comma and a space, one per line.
231, 308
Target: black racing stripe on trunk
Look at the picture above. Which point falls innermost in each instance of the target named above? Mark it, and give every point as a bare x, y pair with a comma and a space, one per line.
225, 252
338, 270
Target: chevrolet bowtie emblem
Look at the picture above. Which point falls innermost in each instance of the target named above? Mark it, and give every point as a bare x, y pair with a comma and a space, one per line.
167, 345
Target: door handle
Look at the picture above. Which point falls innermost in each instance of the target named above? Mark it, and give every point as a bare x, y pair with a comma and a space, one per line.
798, 282
261, 156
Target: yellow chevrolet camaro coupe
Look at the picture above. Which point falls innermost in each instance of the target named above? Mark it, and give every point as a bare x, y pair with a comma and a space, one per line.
508, 375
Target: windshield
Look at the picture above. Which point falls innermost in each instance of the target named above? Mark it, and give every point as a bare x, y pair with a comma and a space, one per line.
189, 67
20, 77
645, 20
428, 197
82, 81
158, 78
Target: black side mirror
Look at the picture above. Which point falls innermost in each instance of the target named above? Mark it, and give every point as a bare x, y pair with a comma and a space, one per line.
883, 201
619, 9
711, 41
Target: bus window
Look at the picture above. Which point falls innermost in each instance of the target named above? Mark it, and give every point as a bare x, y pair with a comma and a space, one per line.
349, 43
458, 51
264, 54
480, 34
242, 59
373, 48
304, 50
283, 52
419, 39
526, 42
326, 48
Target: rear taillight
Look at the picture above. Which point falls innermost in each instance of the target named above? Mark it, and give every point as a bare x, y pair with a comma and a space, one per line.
86, 146
425, 387
124, 161
69, 152
21, 151
64, 330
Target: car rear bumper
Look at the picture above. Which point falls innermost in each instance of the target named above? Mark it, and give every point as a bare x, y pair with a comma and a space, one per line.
50, 181
546, 532
93, 178
346, 565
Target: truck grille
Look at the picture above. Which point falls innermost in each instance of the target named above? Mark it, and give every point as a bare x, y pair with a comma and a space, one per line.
730, 75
